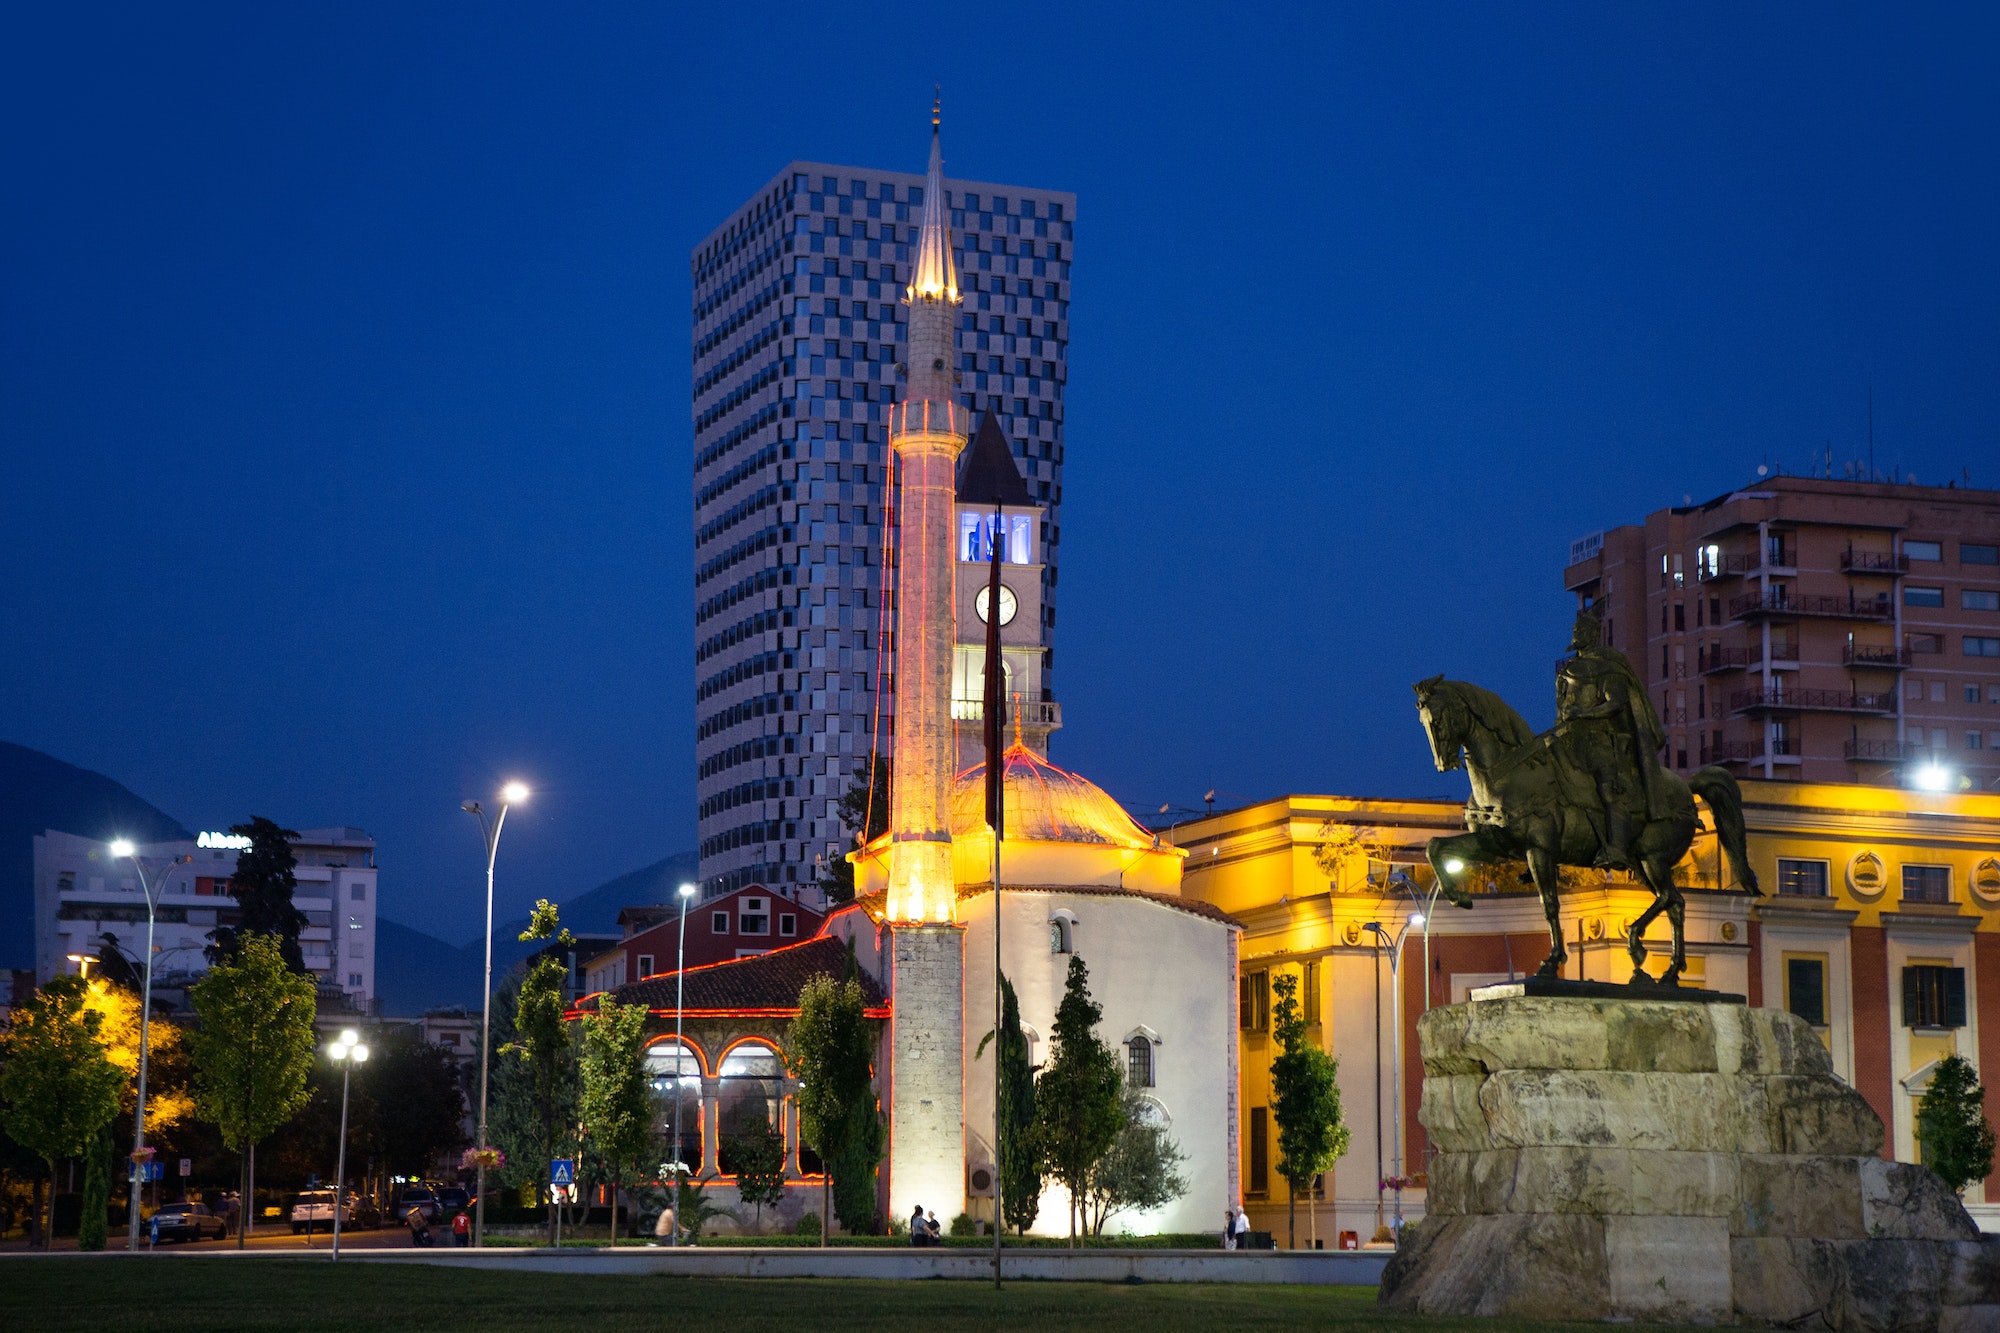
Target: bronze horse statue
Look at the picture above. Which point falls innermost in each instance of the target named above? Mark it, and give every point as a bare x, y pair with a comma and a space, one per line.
1529, 803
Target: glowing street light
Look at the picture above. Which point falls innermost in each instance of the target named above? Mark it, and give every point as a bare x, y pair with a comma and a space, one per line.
347, 1053
680, 1053
1932, 777
124, 849
510, 795
1395, 943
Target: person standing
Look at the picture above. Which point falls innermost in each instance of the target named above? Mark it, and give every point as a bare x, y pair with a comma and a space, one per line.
920, 1232
1229, 1228
933, 1230
1242, 1228
461, 1229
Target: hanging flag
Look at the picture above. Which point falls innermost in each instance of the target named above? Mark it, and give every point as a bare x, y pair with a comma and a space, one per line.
996, 686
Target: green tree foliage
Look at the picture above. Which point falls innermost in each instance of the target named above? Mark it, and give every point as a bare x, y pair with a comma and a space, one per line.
254, 1048
864, 809
1305, 1101
545, 1047
1952, 1130
757, 1153
1020, 1158
616, 1111
262, 887
58, 1086
94, 1225
1142, 1169
831, 1051
1079, 1099
418, 1098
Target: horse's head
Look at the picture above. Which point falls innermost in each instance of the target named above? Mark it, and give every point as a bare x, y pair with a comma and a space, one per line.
1444, 719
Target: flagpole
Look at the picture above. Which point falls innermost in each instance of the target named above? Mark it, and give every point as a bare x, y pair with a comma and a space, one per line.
996, 791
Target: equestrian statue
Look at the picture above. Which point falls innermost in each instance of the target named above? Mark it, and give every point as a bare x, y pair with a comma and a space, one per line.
1590, 791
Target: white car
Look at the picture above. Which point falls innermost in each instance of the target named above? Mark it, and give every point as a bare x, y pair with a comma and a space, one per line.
314, 1210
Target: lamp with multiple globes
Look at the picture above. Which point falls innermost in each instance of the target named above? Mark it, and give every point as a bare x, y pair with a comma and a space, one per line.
347, 1052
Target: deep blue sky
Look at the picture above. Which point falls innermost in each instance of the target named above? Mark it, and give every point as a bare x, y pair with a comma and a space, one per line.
344, 365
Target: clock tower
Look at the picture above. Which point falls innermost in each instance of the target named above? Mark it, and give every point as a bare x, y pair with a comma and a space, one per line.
988, 480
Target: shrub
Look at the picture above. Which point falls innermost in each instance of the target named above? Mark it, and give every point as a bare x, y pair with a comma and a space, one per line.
807, 1225
963, 1225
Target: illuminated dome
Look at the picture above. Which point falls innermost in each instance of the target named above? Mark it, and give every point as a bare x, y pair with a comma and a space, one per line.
1044, 804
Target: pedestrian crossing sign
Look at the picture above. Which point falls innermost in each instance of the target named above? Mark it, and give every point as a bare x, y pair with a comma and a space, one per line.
562, 1171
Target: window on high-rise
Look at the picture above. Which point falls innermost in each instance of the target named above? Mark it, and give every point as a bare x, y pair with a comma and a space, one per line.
1926, 551
1971, 554
1915, 596
1981, 646
1979, 599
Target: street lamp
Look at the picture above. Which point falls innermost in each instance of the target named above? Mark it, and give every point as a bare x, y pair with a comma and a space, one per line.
1395, 945
123, 849
510, 795
347, 1053
680, 1054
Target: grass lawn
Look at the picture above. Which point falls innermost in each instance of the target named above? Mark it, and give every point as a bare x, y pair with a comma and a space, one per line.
215, 1294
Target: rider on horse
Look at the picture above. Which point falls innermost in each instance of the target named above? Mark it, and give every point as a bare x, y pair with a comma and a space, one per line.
1606, 726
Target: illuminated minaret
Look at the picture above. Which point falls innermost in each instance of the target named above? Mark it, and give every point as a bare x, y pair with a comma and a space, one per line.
927, 429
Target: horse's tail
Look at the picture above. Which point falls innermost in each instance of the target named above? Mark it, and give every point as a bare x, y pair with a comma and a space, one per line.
1725, 799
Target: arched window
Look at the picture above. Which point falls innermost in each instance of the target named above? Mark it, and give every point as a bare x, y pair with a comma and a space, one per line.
1062, 933
673, 1075
1139, 1062
749, 1098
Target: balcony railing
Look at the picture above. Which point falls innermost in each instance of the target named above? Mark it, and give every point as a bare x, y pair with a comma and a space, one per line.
1032, 712
1726, 567
1742, 752
1811, 701
1865, 751
1886, 657
1727, 658
1874, 562
1789, 605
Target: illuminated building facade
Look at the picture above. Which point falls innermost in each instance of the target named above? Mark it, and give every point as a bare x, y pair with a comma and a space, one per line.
798, 329
1814, 630
1880, 926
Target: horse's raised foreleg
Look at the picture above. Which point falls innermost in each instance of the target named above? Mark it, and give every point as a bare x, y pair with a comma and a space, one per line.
1464, 848
1542, 867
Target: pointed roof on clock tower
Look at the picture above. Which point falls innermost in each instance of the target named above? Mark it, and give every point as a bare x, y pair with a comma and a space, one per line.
989, 475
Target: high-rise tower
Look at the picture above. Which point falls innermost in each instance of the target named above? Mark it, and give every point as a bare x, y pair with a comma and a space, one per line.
927, 431
798, 327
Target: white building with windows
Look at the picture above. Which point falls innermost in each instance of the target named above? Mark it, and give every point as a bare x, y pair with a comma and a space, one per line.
89, 902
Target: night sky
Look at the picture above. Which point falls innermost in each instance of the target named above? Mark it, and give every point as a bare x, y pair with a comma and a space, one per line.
344, 366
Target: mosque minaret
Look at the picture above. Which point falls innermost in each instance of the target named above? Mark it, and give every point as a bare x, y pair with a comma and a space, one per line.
927, 431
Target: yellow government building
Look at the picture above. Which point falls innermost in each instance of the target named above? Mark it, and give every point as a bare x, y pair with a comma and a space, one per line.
1879, 925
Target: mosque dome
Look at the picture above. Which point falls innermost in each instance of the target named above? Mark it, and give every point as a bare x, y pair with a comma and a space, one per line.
1044, 803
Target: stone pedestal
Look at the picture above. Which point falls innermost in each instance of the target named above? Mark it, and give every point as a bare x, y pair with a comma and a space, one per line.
1648, 1159
927, 1070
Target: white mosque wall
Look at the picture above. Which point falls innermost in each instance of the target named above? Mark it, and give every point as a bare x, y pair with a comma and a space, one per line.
1156, 970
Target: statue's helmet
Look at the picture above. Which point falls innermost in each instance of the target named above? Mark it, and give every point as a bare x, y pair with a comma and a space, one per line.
1588, 631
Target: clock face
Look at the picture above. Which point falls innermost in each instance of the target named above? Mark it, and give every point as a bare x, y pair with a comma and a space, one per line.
1008, 604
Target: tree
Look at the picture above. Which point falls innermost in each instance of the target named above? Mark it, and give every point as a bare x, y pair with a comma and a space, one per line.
758, 1154
254, 1048
1952, 1131
1141, 1171
416, 1102
169, 1103
262, 887
543, 1044
864, 810
1305, 1101
831, 1052
58, 1088
1079, 1097
1020, 1161
617, 1113
93, 1224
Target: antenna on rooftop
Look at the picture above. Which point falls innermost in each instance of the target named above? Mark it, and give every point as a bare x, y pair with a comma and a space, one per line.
1871, 432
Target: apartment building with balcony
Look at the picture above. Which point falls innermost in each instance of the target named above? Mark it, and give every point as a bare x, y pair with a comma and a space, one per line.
1816, 630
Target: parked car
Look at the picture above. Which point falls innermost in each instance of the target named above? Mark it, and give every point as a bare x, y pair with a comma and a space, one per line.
314, 1209
454, 1199
363, 1215
187, 1221
420, 1197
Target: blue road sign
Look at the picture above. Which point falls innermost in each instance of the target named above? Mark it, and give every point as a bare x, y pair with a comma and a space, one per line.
562, 1171
154, 1169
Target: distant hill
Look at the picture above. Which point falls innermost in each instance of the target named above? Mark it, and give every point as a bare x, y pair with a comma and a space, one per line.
39, 792
415, 971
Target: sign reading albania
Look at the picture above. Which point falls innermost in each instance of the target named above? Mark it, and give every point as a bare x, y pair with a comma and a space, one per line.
229, 842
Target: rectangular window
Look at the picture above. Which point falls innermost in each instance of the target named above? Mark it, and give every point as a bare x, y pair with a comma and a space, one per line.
357, 893
1971, 554
1925, 643
787, 924
1913, 596
1803, 879
354, 978
1924, 550
1805, 989
1260, 1151
1253, 1002
645, 967
1309, 990
755, 918
1979, 599
1680, 613
1926, 884
1933, 996
1981, 646
718, 923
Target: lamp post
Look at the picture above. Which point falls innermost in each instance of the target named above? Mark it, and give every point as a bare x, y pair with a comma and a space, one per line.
347, 1053
124, 849
1395, 944
680, 1054
510, 795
